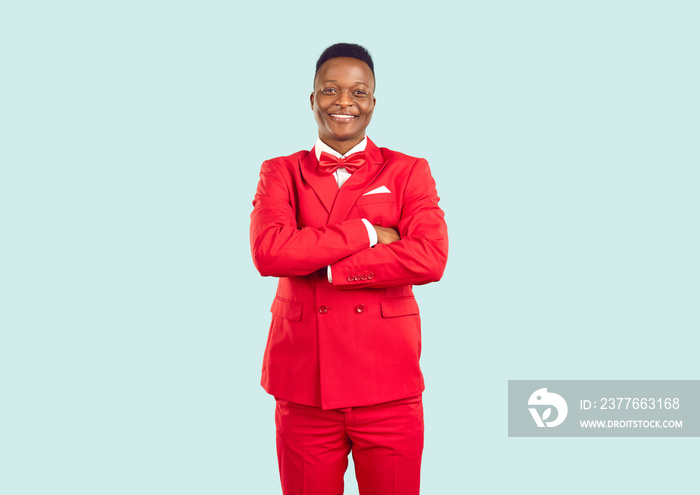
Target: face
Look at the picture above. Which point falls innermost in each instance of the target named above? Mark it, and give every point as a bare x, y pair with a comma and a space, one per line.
343, 102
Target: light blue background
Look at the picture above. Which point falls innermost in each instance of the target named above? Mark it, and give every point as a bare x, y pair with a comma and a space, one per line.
564, 140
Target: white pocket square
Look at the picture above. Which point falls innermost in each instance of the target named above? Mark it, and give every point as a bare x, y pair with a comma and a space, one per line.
378, 190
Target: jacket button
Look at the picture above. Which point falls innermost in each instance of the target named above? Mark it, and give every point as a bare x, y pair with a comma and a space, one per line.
360, 308
323, 309
364, 276
351, 278
370, 275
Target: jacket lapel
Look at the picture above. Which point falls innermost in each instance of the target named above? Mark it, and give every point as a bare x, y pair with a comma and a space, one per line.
325, 186
357, 183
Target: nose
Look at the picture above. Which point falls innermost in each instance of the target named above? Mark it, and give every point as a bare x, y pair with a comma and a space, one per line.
344, 99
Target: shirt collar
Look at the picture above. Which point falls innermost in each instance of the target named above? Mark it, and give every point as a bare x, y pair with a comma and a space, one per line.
321, 147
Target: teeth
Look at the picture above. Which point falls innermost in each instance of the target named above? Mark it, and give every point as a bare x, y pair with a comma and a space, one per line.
342, 116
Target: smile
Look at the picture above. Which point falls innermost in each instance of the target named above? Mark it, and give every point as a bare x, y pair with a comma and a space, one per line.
340, 117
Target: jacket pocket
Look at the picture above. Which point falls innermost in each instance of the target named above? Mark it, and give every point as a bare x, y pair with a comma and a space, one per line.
286, 309
373, 199
399, 306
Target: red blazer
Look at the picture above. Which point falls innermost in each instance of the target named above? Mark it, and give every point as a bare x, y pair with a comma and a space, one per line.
357, 341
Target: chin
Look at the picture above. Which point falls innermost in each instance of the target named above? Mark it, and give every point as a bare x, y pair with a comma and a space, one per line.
346, 135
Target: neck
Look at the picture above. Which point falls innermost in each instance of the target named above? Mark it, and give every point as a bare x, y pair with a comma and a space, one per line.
342, 147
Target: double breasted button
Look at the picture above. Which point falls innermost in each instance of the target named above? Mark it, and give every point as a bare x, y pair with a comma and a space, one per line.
360, 308
323, 309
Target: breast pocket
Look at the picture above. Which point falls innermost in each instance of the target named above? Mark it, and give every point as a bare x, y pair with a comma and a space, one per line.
380, 209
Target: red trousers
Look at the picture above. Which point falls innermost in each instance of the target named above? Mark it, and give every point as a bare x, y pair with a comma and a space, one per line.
386, 441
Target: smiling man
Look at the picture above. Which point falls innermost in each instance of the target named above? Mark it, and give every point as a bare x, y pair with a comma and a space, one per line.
343, 102
348, 228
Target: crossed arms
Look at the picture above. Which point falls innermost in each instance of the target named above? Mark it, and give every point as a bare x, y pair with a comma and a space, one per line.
412, 252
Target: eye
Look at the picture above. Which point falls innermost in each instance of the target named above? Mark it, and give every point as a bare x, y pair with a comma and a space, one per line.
328, 90
360, 92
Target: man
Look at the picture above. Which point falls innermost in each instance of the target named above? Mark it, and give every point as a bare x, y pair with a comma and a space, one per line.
348, 228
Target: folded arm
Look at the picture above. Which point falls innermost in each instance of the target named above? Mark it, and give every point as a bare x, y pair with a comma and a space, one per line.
419, 257
280, 247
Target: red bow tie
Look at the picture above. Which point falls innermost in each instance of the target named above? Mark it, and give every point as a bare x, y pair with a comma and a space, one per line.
329, 164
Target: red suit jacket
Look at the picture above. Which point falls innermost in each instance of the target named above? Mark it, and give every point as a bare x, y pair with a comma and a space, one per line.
357, 341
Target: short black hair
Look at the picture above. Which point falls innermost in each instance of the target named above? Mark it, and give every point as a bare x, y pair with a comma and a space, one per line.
350, 50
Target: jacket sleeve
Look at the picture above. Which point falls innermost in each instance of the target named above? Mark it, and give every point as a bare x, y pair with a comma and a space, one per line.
421, 254
279, 246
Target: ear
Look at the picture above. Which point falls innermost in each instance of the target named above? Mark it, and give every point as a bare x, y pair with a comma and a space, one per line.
312, 101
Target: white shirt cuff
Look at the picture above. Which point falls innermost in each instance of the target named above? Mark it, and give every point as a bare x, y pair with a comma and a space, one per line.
330, 275
371, 232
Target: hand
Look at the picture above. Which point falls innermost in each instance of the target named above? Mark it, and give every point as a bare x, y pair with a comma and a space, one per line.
386, 235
